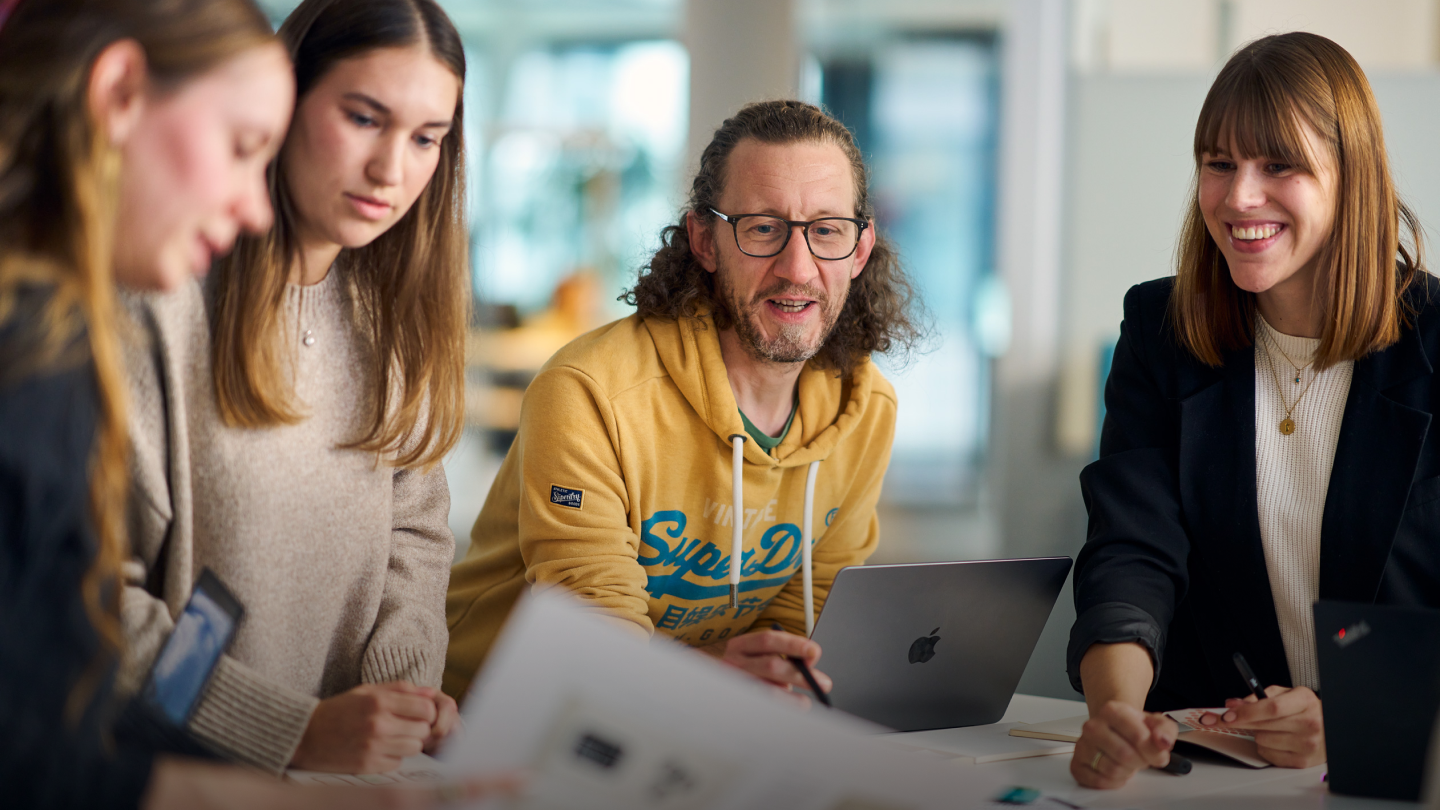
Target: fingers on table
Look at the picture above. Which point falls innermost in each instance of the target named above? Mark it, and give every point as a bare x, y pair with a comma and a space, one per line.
1092, 769
1122, 750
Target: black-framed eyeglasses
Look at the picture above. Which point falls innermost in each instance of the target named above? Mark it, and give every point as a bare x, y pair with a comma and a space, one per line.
762, 236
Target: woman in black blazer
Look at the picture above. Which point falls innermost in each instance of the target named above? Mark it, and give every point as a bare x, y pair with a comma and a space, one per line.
1238, 483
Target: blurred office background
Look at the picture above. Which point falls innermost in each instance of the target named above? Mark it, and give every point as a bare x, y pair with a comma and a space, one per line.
1030, 157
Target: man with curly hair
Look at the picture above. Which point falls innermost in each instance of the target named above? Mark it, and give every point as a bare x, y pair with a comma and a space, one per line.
656, 450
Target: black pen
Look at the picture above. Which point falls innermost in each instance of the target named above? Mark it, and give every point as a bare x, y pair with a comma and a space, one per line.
1249, 675
799, 663
1177, 765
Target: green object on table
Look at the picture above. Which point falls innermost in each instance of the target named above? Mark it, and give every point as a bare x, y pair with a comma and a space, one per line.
1017, 795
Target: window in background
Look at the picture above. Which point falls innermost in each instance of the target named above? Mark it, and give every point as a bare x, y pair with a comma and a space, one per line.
924, 112
580, 173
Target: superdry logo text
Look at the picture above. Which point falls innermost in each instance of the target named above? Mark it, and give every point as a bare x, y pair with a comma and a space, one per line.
562, 496
694, 569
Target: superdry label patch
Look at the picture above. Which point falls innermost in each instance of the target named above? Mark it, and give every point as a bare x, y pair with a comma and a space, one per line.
572, 498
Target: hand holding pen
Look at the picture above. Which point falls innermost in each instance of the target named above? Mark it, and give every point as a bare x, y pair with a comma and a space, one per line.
1288, 724
804, 669
765, 655
1120, 739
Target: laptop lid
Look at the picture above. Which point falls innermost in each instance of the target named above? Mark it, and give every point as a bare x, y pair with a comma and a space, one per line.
934, 645
1380, 678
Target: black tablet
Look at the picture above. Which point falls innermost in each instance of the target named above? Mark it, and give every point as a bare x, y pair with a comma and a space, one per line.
202, 634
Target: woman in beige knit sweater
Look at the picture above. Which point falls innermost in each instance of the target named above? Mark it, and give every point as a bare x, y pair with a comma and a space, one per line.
291, 412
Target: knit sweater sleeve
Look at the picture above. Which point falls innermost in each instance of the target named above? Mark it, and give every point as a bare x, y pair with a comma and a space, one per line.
410, 635
242, 715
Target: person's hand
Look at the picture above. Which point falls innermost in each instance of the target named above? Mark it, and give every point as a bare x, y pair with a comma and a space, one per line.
763, 656
177, 784
447, 714
1288, 725
1119, 740
368, 729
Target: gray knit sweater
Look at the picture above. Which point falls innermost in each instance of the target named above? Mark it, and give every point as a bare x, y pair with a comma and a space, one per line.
341, 562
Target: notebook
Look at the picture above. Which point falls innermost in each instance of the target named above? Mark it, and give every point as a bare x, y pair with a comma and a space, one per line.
981, 743
1235, 744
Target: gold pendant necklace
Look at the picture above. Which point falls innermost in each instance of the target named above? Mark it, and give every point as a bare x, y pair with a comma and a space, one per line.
1287, 425
1299, 370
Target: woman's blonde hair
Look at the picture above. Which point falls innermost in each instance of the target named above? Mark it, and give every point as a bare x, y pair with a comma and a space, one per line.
1257, 108
58, 179
412, 281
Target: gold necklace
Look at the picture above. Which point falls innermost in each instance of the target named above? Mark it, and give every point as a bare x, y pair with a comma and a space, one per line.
1287, 425
1299, 370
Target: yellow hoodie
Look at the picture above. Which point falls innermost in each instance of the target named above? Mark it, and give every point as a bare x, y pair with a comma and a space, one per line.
618, 487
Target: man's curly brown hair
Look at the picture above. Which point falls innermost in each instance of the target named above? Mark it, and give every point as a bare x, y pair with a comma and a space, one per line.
880, 313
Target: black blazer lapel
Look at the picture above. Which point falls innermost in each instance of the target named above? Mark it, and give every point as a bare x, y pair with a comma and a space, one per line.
1217, 474
1381, 436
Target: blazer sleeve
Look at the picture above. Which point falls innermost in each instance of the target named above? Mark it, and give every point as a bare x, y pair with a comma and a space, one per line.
410, 637
1132, 571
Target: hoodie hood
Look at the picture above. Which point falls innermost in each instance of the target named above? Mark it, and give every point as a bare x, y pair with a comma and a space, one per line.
829, 408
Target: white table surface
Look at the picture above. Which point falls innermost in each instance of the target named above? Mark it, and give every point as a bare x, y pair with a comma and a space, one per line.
1210, 784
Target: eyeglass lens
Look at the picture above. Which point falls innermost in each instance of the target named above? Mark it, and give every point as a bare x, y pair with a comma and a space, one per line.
767, 236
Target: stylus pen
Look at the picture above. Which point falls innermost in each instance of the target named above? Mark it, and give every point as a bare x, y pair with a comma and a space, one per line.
799, 663
1249, 675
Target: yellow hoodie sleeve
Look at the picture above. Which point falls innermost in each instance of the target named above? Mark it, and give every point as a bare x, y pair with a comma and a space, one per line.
590, 550
854, 535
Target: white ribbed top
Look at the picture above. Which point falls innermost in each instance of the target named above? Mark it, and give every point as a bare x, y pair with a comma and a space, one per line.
1292, 476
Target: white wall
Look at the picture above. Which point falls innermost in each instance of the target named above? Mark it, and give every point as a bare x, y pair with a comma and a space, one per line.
1129, 175
740, 51
1149, 36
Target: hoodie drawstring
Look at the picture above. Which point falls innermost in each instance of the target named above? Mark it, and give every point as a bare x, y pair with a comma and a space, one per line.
737, 501
737, 540
806, 540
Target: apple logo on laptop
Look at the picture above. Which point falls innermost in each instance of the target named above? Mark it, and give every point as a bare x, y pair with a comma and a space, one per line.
924, 647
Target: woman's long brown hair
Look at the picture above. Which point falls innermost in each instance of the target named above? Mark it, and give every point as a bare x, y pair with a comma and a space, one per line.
1256, 108
58, 178
412, 281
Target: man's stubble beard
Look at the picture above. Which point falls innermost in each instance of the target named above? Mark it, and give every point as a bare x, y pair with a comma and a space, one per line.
789, 344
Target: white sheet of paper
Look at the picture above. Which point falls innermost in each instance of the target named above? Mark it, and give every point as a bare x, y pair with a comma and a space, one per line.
420, 768
599, 719
982, 743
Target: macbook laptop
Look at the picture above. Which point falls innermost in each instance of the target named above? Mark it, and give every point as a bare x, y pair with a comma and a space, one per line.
934, 645
1380, 681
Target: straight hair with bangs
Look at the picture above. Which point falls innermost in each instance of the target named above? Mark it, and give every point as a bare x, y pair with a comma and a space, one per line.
411, 283
1256, 108
58, 197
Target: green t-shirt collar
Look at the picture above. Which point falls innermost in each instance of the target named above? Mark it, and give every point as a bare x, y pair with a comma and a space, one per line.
766, 442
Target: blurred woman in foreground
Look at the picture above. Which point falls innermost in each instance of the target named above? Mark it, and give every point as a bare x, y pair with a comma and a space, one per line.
133, 140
